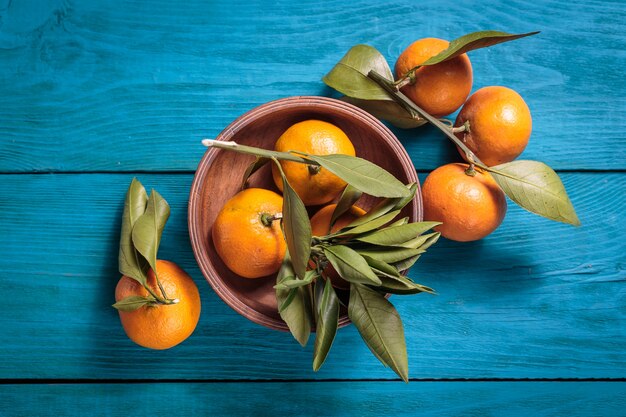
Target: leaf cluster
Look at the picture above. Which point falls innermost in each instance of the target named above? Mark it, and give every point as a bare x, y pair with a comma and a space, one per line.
143, 221
371, 254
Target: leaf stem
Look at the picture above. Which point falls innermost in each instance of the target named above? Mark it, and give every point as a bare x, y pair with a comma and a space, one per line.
407, 104
250, 150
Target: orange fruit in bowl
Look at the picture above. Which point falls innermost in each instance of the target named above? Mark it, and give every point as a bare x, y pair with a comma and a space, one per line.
439, 89
246, 235
470, 207
161, 326
320, 226
499, 125
313, 184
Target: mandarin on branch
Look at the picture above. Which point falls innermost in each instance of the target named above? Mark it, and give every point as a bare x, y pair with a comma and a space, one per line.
439, 89
499, 125
470, 207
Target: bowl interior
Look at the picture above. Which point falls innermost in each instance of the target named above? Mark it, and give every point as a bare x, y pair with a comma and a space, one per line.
219, 177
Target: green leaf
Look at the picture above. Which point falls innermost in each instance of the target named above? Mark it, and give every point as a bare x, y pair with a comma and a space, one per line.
403, 201
472, 41
349, 196
367, 227
349, 75
381, 266
407, 263
297, 312
401, 285
350, 265
285, 302
403, 235
537, 188
133, 303
326, 325
130, 263
404, 220
391, 256
389, 111
362, 175
432, 238
296, 226
294, 282
380, 326
385, 205
252, 168
148, 228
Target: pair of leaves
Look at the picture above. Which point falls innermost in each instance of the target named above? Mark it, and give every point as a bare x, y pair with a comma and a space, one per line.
296, 310
143, 221
536, 187
294, 304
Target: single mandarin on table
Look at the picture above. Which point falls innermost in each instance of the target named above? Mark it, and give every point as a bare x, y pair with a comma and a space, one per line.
439, 89
499, 125
313, 184
246, 235
470, 207
161, 326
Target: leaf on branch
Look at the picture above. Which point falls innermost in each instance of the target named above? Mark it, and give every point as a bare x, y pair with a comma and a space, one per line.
294, 282
385, 205
326, 324
149, 227
362, 174
537, 188
369, 226
296, 227
130, 262
391, 256
134, 302
350, 265
380, 326
473, 41
404, 235
349, 196
349, 75
252, 168
294, 304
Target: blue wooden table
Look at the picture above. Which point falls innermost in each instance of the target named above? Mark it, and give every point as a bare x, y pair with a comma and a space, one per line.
93, 93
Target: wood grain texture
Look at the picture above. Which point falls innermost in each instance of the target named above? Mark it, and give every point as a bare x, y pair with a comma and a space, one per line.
535, 299
123, 86
362, 399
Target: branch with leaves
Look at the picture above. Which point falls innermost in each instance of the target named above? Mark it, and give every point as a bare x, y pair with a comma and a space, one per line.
372, 254
364, 76
143, 221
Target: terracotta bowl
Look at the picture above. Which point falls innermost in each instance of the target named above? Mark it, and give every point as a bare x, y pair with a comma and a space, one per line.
219, 174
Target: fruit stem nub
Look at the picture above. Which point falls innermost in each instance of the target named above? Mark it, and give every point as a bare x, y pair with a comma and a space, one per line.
267, 218
314, 169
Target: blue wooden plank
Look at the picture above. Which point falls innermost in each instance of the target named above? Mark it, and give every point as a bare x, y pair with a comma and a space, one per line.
362, 399
535, 299
113, 85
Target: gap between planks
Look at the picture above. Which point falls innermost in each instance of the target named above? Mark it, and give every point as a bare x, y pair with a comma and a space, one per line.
32, 381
